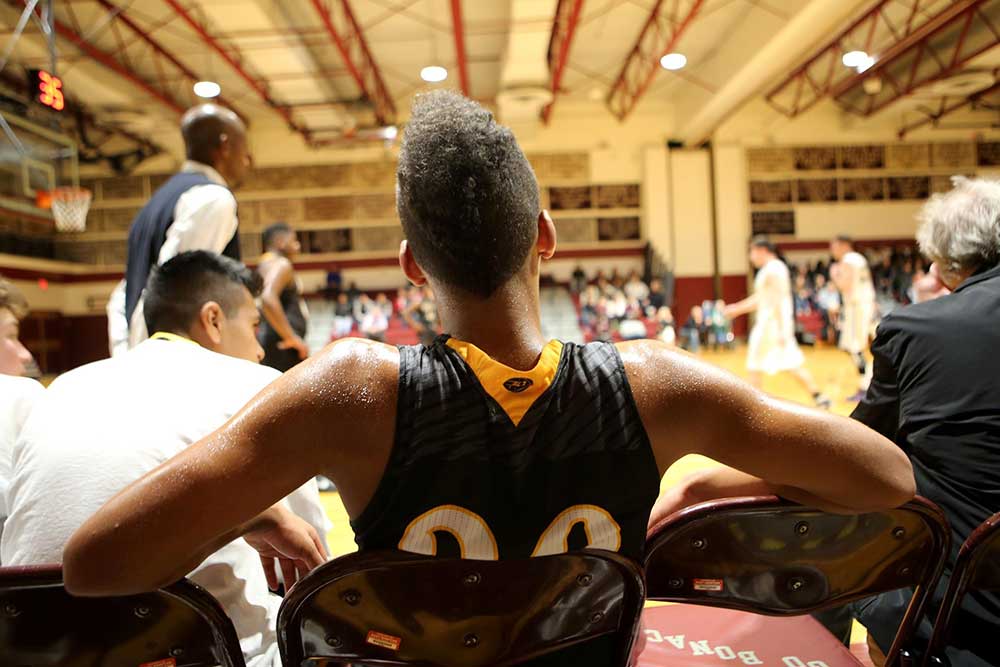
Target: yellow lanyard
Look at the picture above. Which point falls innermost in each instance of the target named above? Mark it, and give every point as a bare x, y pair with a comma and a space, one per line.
165, 335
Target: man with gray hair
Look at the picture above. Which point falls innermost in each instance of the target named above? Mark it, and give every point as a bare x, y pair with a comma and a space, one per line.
934, 392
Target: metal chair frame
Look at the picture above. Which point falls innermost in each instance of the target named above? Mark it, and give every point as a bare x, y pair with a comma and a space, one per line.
783, 587
983, 542
15, 580
338, 603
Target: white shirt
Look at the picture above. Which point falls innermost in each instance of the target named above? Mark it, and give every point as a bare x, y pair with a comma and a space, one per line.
102, 426
204, 219
17, 395
773, 286
861, 289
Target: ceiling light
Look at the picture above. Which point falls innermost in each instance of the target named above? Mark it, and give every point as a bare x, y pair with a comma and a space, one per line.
207, 89
390, 132
865, 64
854, 58
434, 74
673, 61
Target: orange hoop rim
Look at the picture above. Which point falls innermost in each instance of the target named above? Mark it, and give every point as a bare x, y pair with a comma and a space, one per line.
69, 193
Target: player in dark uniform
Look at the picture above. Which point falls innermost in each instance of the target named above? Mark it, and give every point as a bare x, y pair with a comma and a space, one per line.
284, 323
491, 442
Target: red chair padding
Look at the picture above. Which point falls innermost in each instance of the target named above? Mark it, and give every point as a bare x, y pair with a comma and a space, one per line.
691, 636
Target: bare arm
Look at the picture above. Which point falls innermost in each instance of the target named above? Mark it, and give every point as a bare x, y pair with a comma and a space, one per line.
277, 275
834, 463
747, 305
215, 490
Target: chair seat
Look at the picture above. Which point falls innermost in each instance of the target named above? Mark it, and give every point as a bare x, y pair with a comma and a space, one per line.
683, 635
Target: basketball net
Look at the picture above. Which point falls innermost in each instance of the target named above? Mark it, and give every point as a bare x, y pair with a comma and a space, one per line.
69, 208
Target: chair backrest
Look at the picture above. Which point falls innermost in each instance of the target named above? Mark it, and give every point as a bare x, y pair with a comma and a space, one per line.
769, 556
977, 568
41, 625
395, 608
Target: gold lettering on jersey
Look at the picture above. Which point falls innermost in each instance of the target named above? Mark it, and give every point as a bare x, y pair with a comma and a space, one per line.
474, 537
477, 542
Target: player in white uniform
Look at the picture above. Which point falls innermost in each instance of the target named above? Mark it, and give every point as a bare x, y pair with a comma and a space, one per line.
853, 278
772, 346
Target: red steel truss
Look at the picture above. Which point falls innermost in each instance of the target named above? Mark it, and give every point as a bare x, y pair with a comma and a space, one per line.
563, 30
350, 42
459, 32
659, 36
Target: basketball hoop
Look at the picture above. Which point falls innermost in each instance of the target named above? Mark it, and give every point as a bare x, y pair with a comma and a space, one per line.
69, 208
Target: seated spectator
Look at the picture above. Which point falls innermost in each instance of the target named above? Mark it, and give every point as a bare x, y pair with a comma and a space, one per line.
589, 301
721, 327
657, 296
100, 427
422, 316
343, 316
578, 281
934, 392
632, 327
665, 325
18, 393
693, 329
361, 306
635, 288
399, 305
828, 302
374, 322
382, 302
616, 306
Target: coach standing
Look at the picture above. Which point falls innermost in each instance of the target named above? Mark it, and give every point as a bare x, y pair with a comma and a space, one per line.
935, 392
194, 210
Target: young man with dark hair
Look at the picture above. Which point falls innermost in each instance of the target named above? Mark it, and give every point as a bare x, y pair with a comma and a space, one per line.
17, 394
512, 444
194, 210
285, 314
101, 426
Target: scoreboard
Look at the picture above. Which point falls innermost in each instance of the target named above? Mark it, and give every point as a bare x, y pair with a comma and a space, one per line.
46, 89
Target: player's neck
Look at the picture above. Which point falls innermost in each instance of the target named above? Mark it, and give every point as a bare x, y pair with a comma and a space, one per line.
507, 326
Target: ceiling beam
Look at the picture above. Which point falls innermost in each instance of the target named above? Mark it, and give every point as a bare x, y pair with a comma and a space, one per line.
354, 51
108, 60
660, 36
146, 36
563, 30
459, 31
258, 85
947, 108
886, 35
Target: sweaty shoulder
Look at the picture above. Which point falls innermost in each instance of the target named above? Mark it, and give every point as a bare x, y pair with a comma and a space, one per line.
351, 372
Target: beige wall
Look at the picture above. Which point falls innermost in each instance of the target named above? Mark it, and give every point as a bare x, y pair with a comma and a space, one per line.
691, 213
732, 208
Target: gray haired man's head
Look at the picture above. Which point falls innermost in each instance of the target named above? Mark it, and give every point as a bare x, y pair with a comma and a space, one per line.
960, 229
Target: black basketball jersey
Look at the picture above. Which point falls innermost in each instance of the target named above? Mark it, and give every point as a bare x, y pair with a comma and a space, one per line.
490, 462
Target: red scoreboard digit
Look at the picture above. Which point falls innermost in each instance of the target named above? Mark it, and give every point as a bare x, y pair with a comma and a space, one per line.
51, 91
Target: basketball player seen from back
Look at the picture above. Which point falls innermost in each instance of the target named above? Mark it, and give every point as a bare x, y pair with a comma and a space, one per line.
491, 442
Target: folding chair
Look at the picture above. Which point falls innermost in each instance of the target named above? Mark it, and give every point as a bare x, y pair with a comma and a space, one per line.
977, 568
768, 556
41, 625
395, 608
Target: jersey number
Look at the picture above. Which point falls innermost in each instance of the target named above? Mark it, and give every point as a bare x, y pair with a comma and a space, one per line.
476, 540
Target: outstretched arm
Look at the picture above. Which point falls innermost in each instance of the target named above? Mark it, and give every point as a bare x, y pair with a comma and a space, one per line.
805, 455
325, 416
747, 305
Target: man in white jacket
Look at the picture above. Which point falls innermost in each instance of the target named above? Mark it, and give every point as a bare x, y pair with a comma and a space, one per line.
102, 426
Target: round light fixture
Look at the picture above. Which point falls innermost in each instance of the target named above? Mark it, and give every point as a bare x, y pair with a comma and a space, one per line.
207, 89
854, 58
865, 64
390, 133
434, 74
673, 61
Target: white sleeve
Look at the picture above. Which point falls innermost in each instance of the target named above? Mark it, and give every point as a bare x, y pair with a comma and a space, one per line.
19, 396
117, 324
204, 219
305, 503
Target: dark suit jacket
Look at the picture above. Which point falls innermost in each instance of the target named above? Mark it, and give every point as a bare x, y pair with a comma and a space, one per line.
936, 393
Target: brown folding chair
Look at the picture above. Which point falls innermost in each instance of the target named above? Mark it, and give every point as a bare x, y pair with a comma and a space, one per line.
977, 568
395, 608
41, 625
768, 556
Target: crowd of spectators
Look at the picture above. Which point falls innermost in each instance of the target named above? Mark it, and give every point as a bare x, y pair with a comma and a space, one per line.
897, 273
358, 313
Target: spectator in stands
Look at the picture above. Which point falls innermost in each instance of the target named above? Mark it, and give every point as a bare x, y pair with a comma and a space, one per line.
343, 316
657, 296
100, 427
361, 306
382, 302
353, 293
828, 302
665, 325
616, 306
422, 316
399, 305
578, 281
635, 288
19, 393
194, 210
374, 322
693, 329
720, 327
334, 280
590, 300
934, 392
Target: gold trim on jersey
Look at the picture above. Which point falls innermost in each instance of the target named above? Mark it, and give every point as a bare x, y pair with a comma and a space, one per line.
515, 391
166, 335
